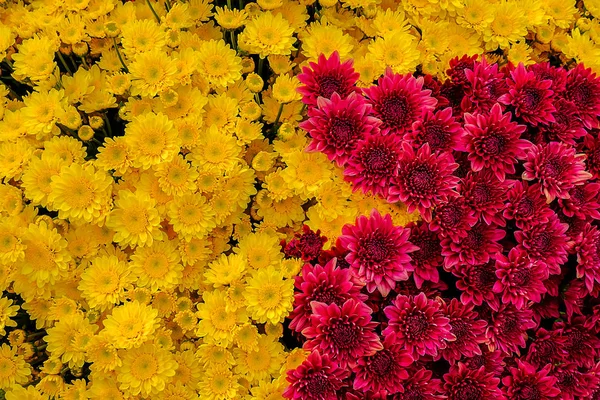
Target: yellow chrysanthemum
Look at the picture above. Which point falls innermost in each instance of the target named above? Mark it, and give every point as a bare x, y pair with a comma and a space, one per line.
152, 139
37, 178
268, 34
42, 110
145, 370
177, 176
18, 392
225, 269
13, 368
216, 151
130, 325
64, 148
218, 325
269, 296
561, 12
261, 364
508, 26
218, 63
306, 172
104, 282
152, 73
14, 157
157, 266
7, 311
396, 50
261, 250
141, 36
12, 248
230, 18
69, 338
114, 155
35, 58
325, 39
191, 216
103, 354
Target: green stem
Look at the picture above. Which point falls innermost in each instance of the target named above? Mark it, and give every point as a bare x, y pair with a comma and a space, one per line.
261, 63
229, 4
153, 12
241, 4
35, 335
84, 62
302, 109
107, 124
233, 42
63, 62
275, 129
168, 5
119, 55
10, 64
256, 98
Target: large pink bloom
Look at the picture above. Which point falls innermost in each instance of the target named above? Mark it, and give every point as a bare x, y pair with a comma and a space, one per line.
424, 179
452, 218
527, 205
557, 167
336, 125
588, 256
476, 283
530, 97
507, 328
317, 378
326, 77
419, 324
566, 126
440, 130
478, 247
344, 333
493, 142
468, 330
484, 86
398, 101
485, 195
378, 251
428, 258
583, 202
548, 347
328, 284
462, 383
583, 89
525, 382
420, 385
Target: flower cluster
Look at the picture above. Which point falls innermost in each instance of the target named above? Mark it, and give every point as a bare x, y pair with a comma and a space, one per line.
494, 292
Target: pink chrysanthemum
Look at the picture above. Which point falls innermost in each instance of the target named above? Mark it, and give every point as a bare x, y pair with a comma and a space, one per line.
384, 371
566, 127
454, 95
476, 283
583, 202
344, 333
420, 385
419, 324
440, 130
326, 77
545, 71
530, 97
485, 85
457, 69
519, 279
525, 382
478, 247
423, 180
398, 101
373, 164
491, 361
428, 258
572, 383
307, 245
485, 195
557, 167
581, 345
328, 284
453, 218
468, 330
548, 347
546, 242
583, 89
432, 83
462, 383
592, 323
317, 378
378, 251
493, 142
336, 125
507, 329
526, 205
592, 151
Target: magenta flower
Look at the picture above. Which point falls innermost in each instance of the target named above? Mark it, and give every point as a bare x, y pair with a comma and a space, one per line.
468, 330
485, 195
519, 279
583, 202
546, 242
336, 126
453, 218
525, 382
384, 371
582, 346
583, 89
478, 247
566, 127
440, 130
373, 164
428, 257
423, 180
419, 324
419, 385
307, 245
326, 77
476, 283
530, 97
378, 251
485, 85
548, 347
398, 101
493, 142
328, 284
344, 333
317, 378
491, 361
592, 151
546, 72
527, 205
557, 167
457, 69
507, 328
462, 383
572, 383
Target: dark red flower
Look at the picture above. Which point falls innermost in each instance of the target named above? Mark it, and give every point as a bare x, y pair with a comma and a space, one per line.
583, 89
581, 345
452, 218
468, 330
440, 130
572, 383
476, 283
573, 296
419, 324
557, 167
480, 244
592, 322
566, 127
545, 71
344, 333
462, 383
507, 328
428, 258
398, 101
336, 125
592, 151
378, 251
526, 205
326, 77
485, 195
546, 242
519, 279
317, 378
384, 370
530, 97
588, 256
493, 142
328, 284
456, 72
373, 164
527, 383
484, 87
491, 361
423, 180
548, 347
583, 201
453, 94
420, 385
306, 246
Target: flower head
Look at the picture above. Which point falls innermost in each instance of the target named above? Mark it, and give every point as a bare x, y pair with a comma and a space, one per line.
583, 89
476, 283
317, 378
268, 34
440, 130
526, 205
467, 328
452, 218
269, 297
566, 127
428, 257
507, 329
485, 85
477, 247
485, 195
519, 279
462, 383
588, 256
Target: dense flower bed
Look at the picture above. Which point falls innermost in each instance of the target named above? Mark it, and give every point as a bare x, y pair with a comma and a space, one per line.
157, 203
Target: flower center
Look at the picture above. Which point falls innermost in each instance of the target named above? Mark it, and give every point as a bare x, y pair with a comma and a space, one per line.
144, 367
382, 363
492, 145
394, 110
541, 241
520, 277
531, 98
481, 194
342, 130
525, 207
376, 249
421, 178
416, 326
581, 95
318, 386
552, 168
436, 136
468, 390
328, 85
326, 294
461, 329
379, 161
344, 336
